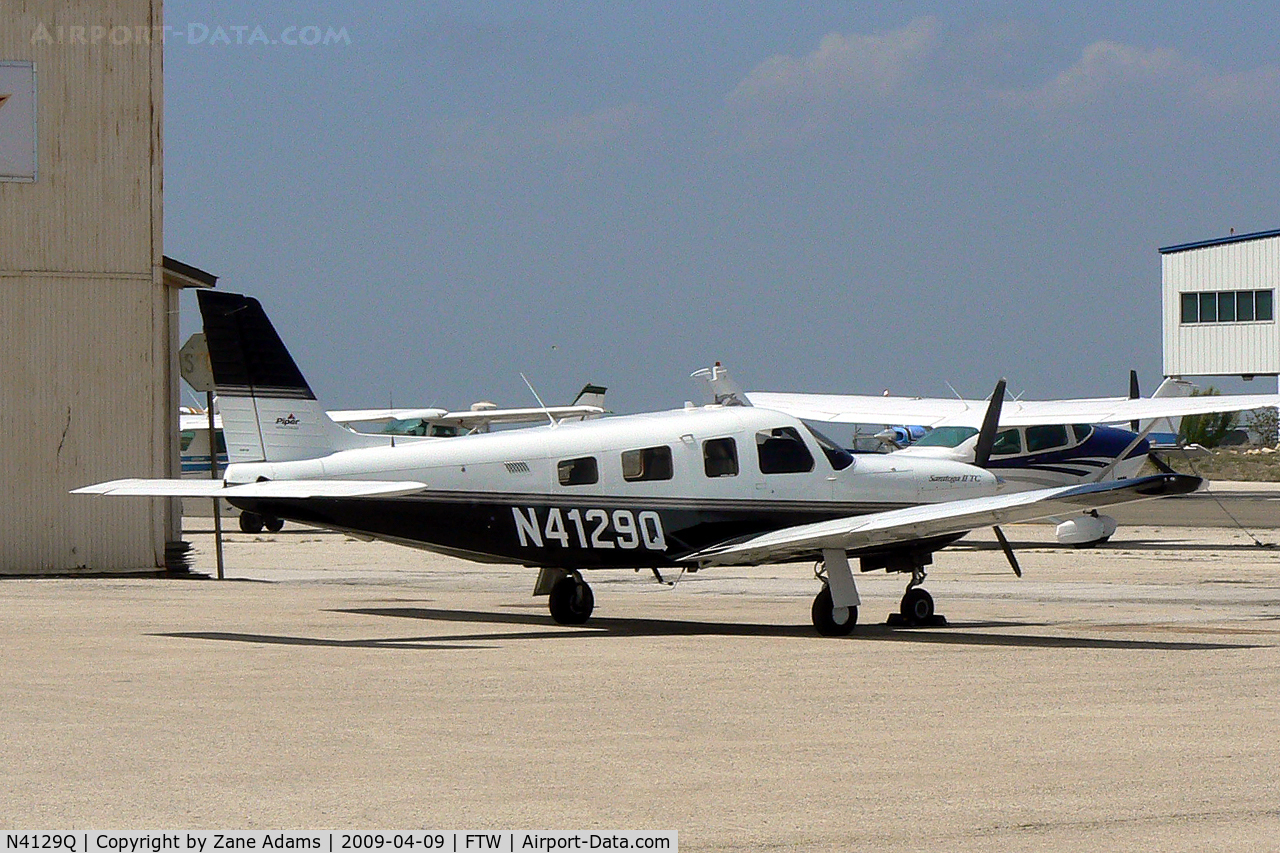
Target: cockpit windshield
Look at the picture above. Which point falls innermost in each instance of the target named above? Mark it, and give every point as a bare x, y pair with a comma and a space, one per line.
836, 455
947, 436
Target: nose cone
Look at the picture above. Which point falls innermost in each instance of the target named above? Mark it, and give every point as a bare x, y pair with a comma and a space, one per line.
946, 480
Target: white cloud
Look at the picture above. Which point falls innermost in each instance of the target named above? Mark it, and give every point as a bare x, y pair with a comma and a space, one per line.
1107, 69
842, 66
1111, 75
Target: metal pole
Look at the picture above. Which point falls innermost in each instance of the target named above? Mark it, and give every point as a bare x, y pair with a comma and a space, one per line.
213, 474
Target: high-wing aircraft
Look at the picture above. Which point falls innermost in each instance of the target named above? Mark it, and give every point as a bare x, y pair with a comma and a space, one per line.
441, 423
1041, 443
664, 492
403, 424
410, 423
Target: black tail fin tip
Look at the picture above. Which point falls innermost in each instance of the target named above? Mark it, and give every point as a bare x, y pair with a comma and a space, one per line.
246, 353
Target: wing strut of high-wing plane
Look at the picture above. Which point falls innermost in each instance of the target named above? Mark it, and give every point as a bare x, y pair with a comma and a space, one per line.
727, 484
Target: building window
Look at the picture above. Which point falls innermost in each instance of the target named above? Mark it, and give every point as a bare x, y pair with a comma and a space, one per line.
1227, 306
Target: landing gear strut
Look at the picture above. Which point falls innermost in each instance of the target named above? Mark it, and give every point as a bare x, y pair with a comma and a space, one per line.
571, 600
835, 609
916, 609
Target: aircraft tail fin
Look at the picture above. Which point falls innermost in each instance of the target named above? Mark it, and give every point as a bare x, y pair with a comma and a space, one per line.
269, 413
591, 395
1165, 431
723, 390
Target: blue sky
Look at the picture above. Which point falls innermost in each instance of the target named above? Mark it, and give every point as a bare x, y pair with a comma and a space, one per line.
825, 196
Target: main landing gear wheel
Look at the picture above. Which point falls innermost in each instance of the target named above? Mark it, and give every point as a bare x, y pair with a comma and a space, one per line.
571, 601
273, 524
825, 618
917, 607
250, 522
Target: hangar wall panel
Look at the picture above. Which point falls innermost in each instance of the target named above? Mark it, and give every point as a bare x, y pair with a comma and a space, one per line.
87, 387
1209, 349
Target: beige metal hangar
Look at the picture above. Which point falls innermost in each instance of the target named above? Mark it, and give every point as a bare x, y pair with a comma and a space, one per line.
88, 324
1219, 306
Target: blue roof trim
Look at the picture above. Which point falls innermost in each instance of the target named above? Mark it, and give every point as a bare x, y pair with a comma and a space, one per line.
1221, 241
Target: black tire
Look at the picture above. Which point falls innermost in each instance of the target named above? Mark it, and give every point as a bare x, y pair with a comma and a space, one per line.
250, 522
571, 601
917, 606
272, 523
824, 619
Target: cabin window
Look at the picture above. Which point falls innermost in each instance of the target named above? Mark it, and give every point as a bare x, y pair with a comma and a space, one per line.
578, 472
188, 436
836, 455
1007, 442
720, 457
1046, 437
1081, 431
649, 463
782, 451
948, 436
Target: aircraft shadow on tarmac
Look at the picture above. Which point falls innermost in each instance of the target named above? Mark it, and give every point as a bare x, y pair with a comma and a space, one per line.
541, 627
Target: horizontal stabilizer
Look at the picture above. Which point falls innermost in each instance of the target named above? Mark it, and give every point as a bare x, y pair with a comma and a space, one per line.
903, 526
263, 489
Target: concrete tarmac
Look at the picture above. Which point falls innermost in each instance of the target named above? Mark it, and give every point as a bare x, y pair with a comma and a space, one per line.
1117, 698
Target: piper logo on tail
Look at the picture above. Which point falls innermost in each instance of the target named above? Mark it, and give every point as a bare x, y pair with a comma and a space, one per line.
287, 420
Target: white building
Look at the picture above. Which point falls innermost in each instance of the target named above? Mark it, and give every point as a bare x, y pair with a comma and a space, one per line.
1219, 306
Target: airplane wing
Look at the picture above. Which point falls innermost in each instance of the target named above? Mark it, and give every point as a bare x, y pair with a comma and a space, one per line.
468, 418
478, 417
383, 416
903, 526
941, 411
189, 421
263, 489
866, 409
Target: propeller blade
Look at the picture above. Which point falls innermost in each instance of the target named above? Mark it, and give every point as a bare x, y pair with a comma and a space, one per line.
1008, 551
1134, 394
990, 426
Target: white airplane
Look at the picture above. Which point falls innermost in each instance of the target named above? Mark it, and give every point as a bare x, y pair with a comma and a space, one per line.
411, 423
666, 491
1042, 443
481, 417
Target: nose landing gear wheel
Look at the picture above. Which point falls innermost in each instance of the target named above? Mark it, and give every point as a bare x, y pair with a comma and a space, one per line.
571, 601
827, 621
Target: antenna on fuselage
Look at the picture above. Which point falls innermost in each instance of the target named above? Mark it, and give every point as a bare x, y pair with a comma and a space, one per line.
543, 405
